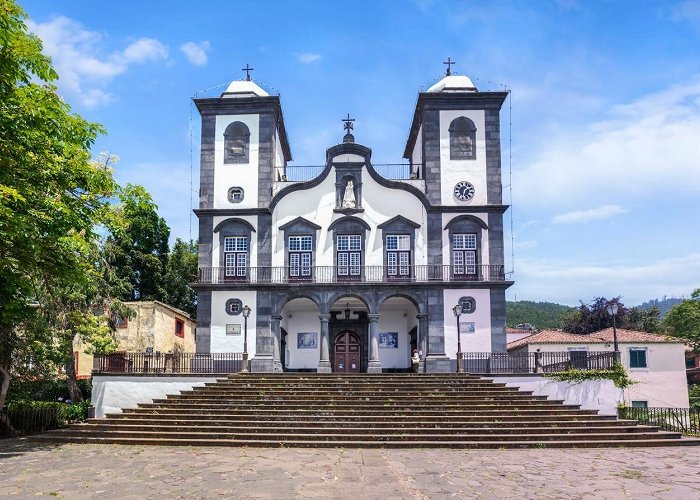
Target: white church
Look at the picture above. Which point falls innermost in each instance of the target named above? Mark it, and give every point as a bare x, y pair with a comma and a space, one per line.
351, 266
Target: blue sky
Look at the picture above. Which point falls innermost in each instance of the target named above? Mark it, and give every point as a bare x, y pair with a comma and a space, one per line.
605, 111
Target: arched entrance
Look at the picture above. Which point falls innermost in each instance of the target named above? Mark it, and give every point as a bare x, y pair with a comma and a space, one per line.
347, 352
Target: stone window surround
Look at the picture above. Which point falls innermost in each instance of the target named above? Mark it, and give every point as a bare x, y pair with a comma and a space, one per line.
464, 123
232, 130
233, 227
230, 311
464, 224
230, 197
300, 227
349, 225
399, 225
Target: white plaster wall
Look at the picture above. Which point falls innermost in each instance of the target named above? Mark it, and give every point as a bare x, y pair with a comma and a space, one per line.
220, 342
279, 156
244, 175
112, 393
380, 204
663, 383
480, 341
483, 257
303, 320
253, 244
417, 154
453, 171
395, 320
601, 395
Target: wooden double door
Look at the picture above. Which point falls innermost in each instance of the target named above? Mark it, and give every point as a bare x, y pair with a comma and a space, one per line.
347, 352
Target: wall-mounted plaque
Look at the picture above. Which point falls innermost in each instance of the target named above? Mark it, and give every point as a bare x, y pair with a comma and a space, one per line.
389, 340
233, 329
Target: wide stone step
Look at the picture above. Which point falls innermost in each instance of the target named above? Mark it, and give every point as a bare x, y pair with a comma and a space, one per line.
351, 398
391, 418
394, 410
313, 428
157, 421
355, 443
360, 405
401, 436
340, 393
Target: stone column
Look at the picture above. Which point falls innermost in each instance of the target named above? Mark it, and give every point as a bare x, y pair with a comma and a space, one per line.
374, 365
422, 340
324, 363
276, 340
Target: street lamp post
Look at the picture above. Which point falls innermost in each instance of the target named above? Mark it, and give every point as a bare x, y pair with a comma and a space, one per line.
246, 313
612, 310
460, 355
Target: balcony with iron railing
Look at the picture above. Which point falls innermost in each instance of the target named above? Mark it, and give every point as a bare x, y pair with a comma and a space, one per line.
349, 274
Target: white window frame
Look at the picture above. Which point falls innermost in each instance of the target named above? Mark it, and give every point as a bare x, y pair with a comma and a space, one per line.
398, 255
235, 256
300, 249
349, 254
464, 248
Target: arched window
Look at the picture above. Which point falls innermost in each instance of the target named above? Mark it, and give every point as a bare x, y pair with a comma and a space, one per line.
462, 139
236, 143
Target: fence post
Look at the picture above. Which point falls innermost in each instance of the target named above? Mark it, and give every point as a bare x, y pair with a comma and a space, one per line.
538, 361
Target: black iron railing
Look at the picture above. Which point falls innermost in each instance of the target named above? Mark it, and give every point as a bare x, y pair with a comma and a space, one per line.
26, 420
159, 362
343, 274
302, 173
685, 420
537, 362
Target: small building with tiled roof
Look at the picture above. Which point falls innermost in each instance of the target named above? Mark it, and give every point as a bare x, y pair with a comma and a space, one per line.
655, 362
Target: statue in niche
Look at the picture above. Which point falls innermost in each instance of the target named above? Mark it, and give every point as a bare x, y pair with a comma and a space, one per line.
349, 196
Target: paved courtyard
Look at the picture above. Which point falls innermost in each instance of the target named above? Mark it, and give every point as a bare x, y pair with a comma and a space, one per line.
111, 471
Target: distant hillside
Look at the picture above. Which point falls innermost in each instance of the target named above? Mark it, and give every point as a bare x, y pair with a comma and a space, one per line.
542, 315
664, 304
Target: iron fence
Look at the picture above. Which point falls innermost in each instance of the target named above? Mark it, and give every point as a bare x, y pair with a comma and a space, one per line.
24, 421
159, 362
684, 420
344, 274
536, 362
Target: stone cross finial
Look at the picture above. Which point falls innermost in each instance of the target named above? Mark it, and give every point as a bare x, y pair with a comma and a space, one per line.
247, 70
449, 63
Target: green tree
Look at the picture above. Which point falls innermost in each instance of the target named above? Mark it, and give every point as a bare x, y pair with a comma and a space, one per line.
683, 320
181, 270
644, 320
52, 197
138, 252
589, 318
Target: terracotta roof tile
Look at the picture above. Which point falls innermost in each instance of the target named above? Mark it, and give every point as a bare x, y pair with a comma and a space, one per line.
600, 337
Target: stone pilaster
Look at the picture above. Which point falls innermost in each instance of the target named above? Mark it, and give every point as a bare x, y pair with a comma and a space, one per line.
324, 363
374, 365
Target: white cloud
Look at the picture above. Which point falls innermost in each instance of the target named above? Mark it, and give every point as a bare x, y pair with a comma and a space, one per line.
308, 57
640, 149
196, 53
83, 74
602, 212
567, 282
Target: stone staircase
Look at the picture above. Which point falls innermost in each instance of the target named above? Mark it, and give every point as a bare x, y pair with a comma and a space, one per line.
393, 411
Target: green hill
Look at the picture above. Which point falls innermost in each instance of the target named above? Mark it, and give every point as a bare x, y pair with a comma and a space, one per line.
542, 315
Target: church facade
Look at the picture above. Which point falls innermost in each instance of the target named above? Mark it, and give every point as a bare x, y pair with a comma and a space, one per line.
351, 266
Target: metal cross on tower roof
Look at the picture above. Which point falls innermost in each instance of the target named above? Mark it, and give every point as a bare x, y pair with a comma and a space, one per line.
247, 70
348, 123
449, 63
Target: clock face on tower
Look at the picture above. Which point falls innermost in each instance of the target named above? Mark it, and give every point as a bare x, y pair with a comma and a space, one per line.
464, 191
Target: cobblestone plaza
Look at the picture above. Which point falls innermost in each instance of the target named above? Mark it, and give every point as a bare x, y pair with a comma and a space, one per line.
111, 471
